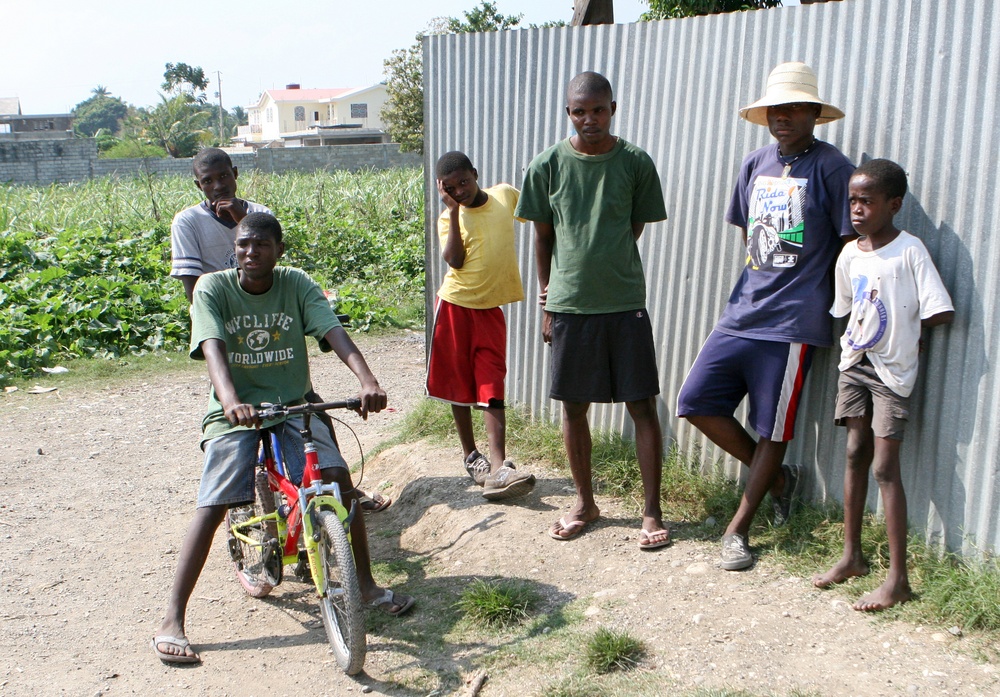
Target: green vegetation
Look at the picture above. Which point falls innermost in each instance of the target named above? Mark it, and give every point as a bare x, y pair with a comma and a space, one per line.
178, 126
403, 113
498, 603
670, 9
608, 650
99, 112
84, 267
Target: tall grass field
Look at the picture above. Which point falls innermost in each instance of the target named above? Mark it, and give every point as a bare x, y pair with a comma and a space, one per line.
84, 267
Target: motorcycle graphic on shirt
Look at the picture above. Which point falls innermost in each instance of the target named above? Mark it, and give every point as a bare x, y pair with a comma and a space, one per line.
775, 222
869, 318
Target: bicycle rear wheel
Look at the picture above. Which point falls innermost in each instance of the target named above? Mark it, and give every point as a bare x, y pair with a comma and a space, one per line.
257, 577
340, 602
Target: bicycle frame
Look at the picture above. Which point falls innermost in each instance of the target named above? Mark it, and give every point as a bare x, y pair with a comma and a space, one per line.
296, 518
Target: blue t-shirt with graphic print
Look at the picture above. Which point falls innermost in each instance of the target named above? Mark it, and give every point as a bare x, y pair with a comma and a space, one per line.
794, 223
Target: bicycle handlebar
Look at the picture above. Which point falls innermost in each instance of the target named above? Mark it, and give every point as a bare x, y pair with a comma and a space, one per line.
271, 411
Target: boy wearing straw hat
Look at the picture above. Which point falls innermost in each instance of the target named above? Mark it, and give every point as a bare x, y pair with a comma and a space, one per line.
790, 202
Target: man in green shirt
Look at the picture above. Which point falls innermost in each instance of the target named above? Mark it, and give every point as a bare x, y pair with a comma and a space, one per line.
590, 197
250, 326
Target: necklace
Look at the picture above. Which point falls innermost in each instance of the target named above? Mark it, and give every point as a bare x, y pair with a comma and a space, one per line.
788, 165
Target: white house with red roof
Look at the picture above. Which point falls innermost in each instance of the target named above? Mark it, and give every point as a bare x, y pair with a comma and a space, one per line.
297, 117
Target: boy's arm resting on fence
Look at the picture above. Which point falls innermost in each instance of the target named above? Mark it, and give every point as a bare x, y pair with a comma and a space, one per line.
373, 398
237, 412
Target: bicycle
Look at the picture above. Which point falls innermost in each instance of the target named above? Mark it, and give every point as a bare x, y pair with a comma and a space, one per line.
305, 525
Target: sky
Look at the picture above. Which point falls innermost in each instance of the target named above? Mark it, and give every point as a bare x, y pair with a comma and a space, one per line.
55, 52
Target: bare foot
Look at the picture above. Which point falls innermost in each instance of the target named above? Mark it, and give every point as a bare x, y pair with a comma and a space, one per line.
840, 572
885, 596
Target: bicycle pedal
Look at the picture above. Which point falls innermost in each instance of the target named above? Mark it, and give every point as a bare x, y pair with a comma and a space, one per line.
272, 562
301, 569
235, 550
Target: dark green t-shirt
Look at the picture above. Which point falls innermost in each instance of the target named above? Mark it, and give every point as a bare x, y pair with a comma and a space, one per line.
592, 201
265, 337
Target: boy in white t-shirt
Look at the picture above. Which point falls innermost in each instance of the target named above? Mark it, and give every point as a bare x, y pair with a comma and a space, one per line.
888, 284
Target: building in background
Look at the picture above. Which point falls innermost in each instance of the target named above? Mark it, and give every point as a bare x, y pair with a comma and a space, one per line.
295, 117
32, 126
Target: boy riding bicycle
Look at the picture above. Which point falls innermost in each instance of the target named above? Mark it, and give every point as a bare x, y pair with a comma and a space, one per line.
250, 325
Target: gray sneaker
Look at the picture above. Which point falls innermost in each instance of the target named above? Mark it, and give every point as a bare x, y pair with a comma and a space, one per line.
784, 505
507, 483
478, 467
735, 553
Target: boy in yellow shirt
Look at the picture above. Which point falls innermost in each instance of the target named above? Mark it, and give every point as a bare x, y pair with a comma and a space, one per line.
468, 358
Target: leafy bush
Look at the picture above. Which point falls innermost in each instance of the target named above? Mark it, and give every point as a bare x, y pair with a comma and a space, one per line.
84, 267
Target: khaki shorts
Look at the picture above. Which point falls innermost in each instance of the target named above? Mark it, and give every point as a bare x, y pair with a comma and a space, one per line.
861, 393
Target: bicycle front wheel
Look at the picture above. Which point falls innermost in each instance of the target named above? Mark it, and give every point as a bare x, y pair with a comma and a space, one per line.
251, 570
340, 599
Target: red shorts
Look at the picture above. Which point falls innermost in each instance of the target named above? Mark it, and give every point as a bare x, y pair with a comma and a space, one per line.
468, 361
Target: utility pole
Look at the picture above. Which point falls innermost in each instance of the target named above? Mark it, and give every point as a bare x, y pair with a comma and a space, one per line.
218, 78
587, 12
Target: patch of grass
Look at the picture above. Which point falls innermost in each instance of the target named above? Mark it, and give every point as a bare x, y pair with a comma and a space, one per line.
428, 419
960, 591
110, 372
608, 650
951, 590
497, 604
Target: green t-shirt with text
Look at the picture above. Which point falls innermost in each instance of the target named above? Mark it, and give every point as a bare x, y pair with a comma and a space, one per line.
265, 337
592, 201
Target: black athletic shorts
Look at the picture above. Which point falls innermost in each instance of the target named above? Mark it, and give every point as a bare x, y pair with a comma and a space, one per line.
603, 358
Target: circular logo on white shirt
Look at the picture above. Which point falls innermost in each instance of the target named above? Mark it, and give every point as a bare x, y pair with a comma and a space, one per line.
868, 321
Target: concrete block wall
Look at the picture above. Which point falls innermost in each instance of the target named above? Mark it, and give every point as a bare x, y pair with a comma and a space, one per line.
334, 157
75, 159
47, 161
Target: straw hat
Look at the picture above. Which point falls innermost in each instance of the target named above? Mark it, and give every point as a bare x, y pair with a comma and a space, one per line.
789, 83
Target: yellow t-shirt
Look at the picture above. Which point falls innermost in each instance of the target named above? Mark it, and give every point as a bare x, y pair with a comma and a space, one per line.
490, 276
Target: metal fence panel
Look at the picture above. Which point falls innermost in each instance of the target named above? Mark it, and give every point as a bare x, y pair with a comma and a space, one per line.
919, 81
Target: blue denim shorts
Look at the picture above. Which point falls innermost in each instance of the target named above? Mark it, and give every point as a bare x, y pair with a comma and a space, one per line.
230, 461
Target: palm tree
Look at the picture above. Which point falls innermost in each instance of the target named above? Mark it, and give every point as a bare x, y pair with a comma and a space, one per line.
101, 91
175, 124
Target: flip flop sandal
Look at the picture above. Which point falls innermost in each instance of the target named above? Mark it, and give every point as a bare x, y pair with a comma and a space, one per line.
388, 599
373, 502
571, 527
655, 539
180, 642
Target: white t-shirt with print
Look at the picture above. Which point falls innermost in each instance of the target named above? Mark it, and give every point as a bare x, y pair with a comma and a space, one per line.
887, 292
200, 243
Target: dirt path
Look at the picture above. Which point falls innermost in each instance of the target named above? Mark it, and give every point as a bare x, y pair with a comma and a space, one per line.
100, 484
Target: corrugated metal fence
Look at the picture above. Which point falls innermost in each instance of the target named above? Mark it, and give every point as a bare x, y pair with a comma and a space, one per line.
919, 81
